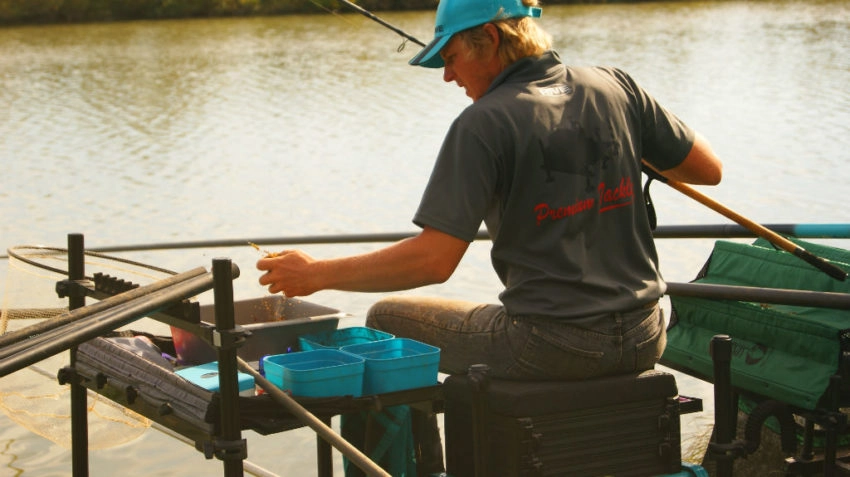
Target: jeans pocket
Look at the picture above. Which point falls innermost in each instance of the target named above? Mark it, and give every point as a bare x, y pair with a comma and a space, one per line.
650, 342
554, 350
575, 341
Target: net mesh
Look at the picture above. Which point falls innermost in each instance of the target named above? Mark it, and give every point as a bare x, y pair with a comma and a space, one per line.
32, 397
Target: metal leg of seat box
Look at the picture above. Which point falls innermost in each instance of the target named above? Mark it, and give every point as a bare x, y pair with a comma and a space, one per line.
323, 453
479, 381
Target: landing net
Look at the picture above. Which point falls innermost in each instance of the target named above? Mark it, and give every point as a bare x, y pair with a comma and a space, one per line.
32, 397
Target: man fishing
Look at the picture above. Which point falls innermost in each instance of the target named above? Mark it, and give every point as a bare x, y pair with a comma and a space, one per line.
549, 157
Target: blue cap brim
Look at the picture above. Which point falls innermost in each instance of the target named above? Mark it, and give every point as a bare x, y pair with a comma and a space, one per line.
430, 57
454, 16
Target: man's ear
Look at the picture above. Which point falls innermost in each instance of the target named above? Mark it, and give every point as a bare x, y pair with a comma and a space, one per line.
495, 37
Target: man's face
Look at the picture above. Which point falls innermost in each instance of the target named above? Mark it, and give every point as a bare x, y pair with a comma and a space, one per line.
473, 72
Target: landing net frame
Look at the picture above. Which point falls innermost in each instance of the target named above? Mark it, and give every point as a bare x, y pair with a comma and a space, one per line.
33, 397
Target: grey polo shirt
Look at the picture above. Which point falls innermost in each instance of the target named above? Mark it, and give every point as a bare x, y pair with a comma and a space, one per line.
549, 159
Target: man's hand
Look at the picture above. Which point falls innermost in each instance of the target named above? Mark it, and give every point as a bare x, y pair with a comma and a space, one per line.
287, 272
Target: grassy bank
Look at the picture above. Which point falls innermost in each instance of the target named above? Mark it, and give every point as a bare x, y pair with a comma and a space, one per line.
15, 12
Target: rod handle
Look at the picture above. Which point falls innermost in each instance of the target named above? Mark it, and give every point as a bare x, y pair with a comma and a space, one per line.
821, 264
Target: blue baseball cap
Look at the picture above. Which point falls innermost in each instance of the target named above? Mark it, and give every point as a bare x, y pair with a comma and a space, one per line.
454, 16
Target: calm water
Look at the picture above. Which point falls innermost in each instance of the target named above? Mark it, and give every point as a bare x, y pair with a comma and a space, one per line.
242, 128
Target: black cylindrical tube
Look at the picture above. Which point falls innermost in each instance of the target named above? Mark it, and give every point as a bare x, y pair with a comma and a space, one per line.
58, 334
724, 416
29, 333
106, 321
479, 385
79, 404
777, 296
225, 322
76, 268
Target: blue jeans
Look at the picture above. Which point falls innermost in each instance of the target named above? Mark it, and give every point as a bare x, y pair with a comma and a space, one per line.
525, 347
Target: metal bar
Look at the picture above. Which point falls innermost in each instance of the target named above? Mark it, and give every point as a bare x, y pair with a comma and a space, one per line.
105, 321
324, 456
662, 231
302, 240
77, 314
780, 296
832, 429
117, 303
79, 395
225, 322
724, 419
478, 383
738, 231
54, 334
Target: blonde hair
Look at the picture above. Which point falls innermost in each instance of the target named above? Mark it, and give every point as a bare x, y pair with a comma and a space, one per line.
520, 37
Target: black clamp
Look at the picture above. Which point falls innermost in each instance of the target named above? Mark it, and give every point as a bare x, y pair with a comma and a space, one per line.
131, 394
224, 450
229, 339
74, 288
68, 375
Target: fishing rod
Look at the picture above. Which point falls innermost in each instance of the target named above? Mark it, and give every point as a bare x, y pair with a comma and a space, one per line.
760, 230
372, 16
704, 231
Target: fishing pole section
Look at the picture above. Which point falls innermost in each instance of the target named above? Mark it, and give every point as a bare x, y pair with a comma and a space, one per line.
373, 17
759, 230
695, 231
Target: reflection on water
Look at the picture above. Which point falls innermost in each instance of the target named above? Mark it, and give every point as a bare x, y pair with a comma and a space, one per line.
209, 106
148, 132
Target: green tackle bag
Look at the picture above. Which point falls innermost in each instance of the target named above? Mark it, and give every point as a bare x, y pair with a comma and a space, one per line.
786, 353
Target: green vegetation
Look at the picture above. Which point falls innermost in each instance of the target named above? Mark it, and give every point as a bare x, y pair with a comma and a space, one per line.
67, 11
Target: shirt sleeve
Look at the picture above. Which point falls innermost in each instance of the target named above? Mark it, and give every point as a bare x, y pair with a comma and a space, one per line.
665, 139
462, 182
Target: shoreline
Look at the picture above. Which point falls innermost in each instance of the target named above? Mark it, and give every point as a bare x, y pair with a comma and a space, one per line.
66, 12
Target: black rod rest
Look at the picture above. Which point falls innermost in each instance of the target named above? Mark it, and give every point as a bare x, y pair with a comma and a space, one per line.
722, 448
68, 375
74, 288
229, 339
